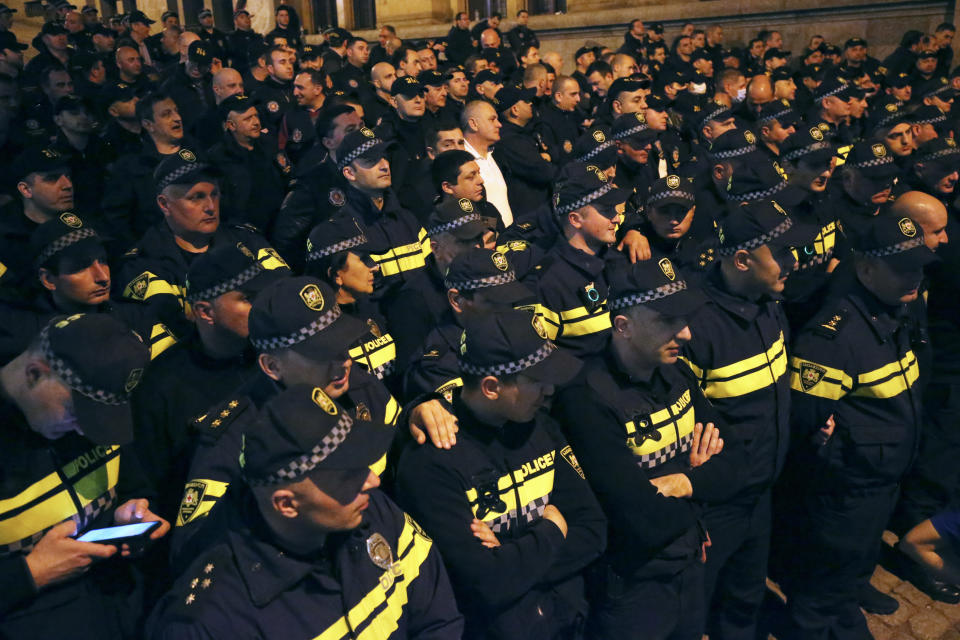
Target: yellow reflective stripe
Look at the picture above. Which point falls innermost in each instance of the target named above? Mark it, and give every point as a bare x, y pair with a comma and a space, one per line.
392, 412
815, 379
683, 417
574, 322
534, 485
31, 493
161, 339
3, 269
449, 385
156, 286
741, 366
213, 491
403, 258
374, 354
270, 259
380, 465
43, 515
890, 380
697, 371
427, 246
746, 376
414, 550
842, 153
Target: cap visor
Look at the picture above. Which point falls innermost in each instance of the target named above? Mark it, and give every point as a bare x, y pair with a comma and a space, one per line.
681, 303
333, 341
610, 199
559, 368
799, 235
915, 258
883, 171
103, 424
511, 292
263, 280
343, 473
790, 196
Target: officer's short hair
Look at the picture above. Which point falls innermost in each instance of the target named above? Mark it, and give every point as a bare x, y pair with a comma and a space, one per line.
470, 65
326, 121
317, 76
446, 167
400, 55
354, 40
600, 67
533, 73
525, 50
275, 49
49, 70
432, 136
144, 108
945, 26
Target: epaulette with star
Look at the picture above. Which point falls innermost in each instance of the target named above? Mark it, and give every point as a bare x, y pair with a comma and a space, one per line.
830, 324
214, 422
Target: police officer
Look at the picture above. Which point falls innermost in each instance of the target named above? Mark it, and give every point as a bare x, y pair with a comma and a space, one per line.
866, 179
275, 94
738, 353
404, 130
212, 361
309, 531
190, 87
212, 36
559, 120
520, 154
647, 438
240, 40
571, 282
854, 363
776, 120
66, 423
508, 505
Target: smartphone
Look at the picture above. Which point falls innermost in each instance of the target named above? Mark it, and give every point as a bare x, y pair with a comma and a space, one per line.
126, 533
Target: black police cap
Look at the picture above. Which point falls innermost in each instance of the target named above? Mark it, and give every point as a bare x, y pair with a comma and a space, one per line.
302, 314
72, 104
928, 114
431, 78
734, 143
780, 73
485, 269
580, 184
808, 145
509, 96
407, 86
834, 86
53, 29
940, 156
596, 145
657, 102
460, 217
700, 54
505, 343
898, 80
764, 222
199, 53
896, 241
937, 86
5, 9
234, 104
37, 159
780, 110
887, 112
362, 144
655, 283
65, 233
330, 238
672, 189
633, 128
182, 167
772, 53
873, 160
226, 268
139, 16
9, 41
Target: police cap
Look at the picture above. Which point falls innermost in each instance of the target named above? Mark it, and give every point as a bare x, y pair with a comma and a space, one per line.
431, 78
225, 268
780, 73
898, 80
486, 75
509, 96
169, 14
182, 167
362, 144
9, 41
53, 29
330, 238
936, 86
302, 433
234, 104
814, 71
72, 104
582, 51
101, 360
780, 110
655, 283
116, 92
672, 189
64, 235
459, 217
887, 112
770, 54
700, 54
302, 314
710, 112
734, 143
596, 145
940, 156
896, 241
37, 159
88, 9
928, 114
808, 145
199, 53
632, 128
834, 86
407, 86
873, 160
927, 53
478, 268
505, 343
764, 222
139, 16
580, 184
854, 42
657, 102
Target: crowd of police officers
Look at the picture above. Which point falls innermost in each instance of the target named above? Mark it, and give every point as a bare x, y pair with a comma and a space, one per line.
623, 335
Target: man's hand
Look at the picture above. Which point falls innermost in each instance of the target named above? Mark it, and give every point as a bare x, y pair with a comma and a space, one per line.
546, 156
674, 485
58, 557
706, 443
486, 535
440, 424
636, 246
134, 511
704, 546
553, 514
824, 433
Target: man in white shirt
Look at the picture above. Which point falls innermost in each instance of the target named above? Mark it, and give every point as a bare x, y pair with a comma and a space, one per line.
481, 130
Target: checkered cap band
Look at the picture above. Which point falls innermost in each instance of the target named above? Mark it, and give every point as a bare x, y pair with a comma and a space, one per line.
842, 87
936, 155
72, 380
775, 116
65, 241
887, 119
673, 193
481, 283
585, 200
454, 224
937, 119
938, 90
733, 153
760, 240
900, 247
181, 172
508, 368
648, 296
805, 151
750, 196
285, 342
603, 146
309, 461
232, 284
713, 114
359, 151
343, 245
872, 162
640, 127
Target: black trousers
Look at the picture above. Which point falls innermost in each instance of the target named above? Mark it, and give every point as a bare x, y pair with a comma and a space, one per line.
933, 484
736, 570
836, 553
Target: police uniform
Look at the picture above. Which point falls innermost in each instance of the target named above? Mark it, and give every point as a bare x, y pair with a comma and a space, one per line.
506, 476
214, 37
76, 477
854, 361
194, 96
381, 579
560, 129
238, 45
738, 355
626, 431
407, 153
275, 100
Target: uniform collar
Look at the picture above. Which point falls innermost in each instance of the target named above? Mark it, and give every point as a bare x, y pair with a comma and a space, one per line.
716, 290
883, 319
590, 265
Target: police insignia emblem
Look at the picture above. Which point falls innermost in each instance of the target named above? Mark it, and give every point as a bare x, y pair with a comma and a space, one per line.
641, 117
273, 106
907, 227
538, 327
810, 375
499, 261
673, 181
951, 142
749, 137
297, 135
71, 220
187, 156
193, 493
517, 245
823, 126
137, 289
465, 205
891, 107
879, 150
133, 380
556, 199
366, 132
309, 248
68, 320
667, 267
312, 297
567, 146
51, 154
353, 83
567, 453
776, 205
447, 390
599, 137
363, 413
597, 171
382, 555
374, 328
645, 430
337, 197
323, 401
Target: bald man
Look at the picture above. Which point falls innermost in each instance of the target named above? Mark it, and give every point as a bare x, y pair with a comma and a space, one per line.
506, 60
382, 76
560, 120
759, 92
226, 82
624, 65
553, 59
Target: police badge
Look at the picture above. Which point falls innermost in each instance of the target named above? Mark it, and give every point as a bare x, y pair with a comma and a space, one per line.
71, 220
323, 401
907, 227
273, 106
382, 555
336, 197
667, 267
499, 261
312, 297
811, 375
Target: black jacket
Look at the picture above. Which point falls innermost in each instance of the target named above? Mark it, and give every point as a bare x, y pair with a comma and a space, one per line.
254, 180
527, 173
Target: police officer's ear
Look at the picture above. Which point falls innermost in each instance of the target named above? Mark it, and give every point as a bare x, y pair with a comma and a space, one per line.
617, 107
164, 203
284, 503
446, 187
765, 132
203, 311
719, 171
623, 326
349, 173
742, 260
46, 279
491, 388
271, 366
431, 153
24, 188
456, 300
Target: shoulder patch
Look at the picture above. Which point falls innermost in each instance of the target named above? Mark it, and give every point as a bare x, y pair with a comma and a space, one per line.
568, 455
829, 326
137, 289
810, 375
